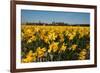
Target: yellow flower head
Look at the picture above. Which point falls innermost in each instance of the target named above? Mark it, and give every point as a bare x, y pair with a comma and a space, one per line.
53, 47
30, 57
30, 40
73, 47
82, 54
52, 36
40, 52
71, 36
63, 48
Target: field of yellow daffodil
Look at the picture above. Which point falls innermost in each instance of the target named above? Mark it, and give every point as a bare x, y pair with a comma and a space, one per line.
54, 43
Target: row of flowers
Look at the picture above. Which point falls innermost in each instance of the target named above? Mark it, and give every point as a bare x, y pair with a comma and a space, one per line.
54, 43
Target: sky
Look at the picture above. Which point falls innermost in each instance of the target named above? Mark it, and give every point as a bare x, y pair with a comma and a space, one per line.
54, 16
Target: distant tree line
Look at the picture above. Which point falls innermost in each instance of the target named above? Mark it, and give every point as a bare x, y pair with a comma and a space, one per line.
54, 24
